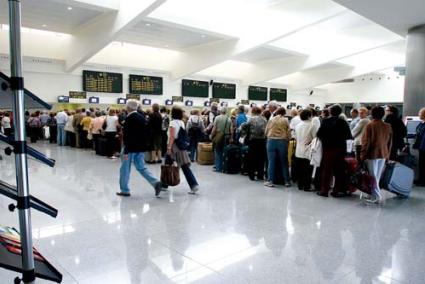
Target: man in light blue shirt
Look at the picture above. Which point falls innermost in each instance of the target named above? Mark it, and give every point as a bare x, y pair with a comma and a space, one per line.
355, 116
61, 119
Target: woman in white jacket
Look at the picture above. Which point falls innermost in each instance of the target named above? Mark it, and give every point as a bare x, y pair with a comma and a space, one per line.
304, 134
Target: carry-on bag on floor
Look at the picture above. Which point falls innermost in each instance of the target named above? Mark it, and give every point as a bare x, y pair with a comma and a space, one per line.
205, 154
244, 159
102, 144
363, 181
232, 159
398, 179
351, 167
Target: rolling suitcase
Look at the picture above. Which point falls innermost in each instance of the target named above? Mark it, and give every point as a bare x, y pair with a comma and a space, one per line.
205, 154
102, 144
232, 159
397, 178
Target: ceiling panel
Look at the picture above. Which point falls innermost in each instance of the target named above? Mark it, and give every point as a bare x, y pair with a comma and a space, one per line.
262, 53
166, 35
50, 15
346, 33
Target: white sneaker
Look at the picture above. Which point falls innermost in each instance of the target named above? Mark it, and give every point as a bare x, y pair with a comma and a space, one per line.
373, 200
269, 184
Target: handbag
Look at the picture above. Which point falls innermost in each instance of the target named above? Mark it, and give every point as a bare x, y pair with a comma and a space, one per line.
170, 173
363, 181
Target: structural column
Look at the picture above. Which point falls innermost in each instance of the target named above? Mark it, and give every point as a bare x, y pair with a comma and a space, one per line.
414, 93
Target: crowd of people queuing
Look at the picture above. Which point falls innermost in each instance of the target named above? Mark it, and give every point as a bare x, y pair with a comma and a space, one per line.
266, 132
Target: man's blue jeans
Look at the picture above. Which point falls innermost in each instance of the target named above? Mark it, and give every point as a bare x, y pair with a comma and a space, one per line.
277, 149
61, 135
218, 158
139, 162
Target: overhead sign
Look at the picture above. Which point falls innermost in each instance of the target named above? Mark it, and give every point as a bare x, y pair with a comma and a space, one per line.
77, 95
177, 99
148, 85
132, 97
102, 82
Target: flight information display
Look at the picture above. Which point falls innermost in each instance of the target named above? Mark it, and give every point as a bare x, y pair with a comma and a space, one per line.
256, 93
102, 82
280, 95
224, 91
192, 88
147, 85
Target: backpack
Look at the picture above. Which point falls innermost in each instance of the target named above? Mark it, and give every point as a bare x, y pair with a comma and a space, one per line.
195, 129
182, 141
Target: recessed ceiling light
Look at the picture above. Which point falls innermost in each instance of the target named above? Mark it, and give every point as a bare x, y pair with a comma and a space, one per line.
166, 45
44, 26
203, 36
148, 24
69, 8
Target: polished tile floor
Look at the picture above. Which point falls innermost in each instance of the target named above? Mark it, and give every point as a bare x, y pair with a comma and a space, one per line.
234, 231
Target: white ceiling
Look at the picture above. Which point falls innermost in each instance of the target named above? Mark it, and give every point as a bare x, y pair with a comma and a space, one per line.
262, 53
396, 15
278, 41
157, 34
55, 15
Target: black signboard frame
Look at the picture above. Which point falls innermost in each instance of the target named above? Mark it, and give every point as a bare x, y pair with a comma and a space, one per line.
256, 93
194, 88
115, 77
279, 95
145, 85
224, 90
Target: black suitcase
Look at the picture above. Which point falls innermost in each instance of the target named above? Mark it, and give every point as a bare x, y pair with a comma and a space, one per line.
102, 144
232, 159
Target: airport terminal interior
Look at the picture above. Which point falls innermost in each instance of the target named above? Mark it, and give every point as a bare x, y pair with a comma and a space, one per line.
228, 220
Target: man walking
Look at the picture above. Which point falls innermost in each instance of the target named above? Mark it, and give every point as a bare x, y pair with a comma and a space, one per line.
134, 140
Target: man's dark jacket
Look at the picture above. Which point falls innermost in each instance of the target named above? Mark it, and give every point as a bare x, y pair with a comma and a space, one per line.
135, 133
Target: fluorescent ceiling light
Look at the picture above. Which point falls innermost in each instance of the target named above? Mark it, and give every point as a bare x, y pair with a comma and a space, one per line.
69, 8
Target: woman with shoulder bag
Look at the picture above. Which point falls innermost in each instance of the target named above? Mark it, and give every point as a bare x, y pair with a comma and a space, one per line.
180, 156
